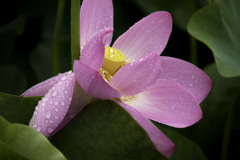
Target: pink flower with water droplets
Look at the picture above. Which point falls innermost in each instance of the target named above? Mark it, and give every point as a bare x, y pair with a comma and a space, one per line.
63, 99
131, 72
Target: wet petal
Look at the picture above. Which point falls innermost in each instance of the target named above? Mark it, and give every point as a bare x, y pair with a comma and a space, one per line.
53, 107
168, 103
79, 100
149, 35
162, 143
92, 82
187, 75
135, 77
95, 16
42, 88
93, 52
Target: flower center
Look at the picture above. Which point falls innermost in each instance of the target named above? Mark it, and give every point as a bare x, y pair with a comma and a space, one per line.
127, 98
113, 60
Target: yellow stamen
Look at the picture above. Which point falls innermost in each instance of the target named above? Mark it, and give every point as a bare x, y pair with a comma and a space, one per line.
128, 98
113, 60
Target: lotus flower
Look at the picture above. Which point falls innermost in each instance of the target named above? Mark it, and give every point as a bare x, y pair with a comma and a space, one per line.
131, 72
163, 89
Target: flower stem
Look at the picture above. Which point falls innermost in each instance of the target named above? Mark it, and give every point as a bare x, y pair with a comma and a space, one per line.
193, 41
229, 124
57, 30
75, 30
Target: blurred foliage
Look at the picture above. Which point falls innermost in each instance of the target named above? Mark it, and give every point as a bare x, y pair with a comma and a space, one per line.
20, 142
218, 26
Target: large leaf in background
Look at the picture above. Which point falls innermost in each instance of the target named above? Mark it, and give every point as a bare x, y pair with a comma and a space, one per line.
12, 80
180, 10
17, 109
215, 109
18, 141
185, 148
105, 131
218, 26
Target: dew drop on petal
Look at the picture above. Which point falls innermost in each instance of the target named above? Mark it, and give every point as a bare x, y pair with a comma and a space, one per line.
72, 115
48, 114
55, 103
43, 104
173, 107
54, 93
49, 130
64, 78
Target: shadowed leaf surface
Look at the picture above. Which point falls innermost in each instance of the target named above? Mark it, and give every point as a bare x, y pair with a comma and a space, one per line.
17, 109
104, 130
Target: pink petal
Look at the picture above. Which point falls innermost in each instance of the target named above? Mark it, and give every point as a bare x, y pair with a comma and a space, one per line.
93, 52
187, 75
42, 88
135, 77
79, 100
92, 82
150, 35
51, 110
168, 103
162, 143
95, 16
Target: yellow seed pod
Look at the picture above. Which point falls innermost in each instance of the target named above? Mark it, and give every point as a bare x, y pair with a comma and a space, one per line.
113, 60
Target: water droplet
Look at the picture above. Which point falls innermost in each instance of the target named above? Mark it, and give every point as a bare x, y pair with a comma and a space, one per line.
72, 115
64, 78
54, 93
56, 117
173, 107
34, 126
55, 103
48, 114
49, 130
62, 103
44, 99
196, 81
56, 109
43, 104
